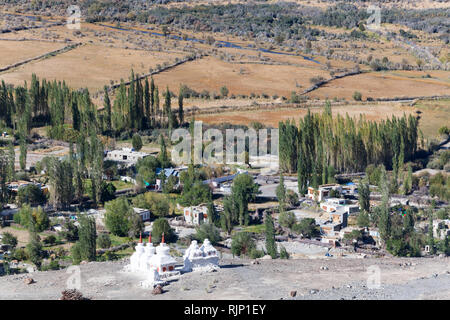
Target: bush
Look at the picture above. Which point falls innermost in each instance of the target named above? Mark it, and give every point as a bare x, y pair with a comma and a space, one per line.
255, 253
137, 142
307, 227
9, 239
30, 194
283, 253
76, 253
160, 226
157, 203
103, 241
287, 219
20, 254
208, 231
107, 192
50, 240
357, 96
242, 244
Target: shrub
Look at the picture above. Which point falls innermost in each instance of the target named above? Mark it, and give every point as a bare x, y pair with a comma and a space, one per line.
160, 226
242, 244
283, 253
50, 240
9, 239
137, 142
30, 194
208, 231
307, 227
287, 219
104, 241
357, 96
255, 253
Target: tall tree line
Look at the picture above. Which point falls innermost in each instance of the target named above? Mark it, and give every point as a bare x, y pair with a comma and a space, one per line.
322, 144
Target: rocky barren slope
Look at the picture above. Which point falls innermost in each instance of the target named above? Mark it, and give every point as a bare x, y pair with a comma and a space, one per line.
334, 278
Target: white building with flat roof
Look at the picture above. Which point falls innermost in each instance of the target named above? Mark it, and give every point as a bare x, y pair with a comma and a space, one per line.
125, 155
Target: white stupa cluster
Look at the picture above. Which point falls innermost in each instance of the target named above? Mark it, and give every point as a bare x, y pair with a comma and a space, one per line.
158, 265
204, 258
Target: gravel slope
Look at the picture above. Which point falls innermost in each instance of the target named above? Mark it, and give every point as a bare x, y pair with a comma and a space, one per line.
333, 278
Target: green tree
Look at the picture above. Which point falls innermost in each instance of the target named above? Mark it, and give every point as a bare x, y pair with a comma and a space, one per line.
180, 106
137, 142
161, 226
271, 246
244, 190
117, 214
104, 241
107, 105
307, 227
207, 231
242, 243
34, 249
9, 239
108, 192
364, 195
281, 193
363, 219
287, 219
31, 194
87, 237
430, 236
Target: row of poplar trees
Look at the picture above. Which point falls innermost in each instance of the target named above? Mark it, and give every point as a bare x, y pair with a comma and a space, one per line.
138, 107
321, 145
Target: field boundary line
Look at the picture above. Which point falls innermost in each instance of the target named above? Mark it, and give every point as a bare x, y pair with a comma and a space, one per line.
273, 106
42, 56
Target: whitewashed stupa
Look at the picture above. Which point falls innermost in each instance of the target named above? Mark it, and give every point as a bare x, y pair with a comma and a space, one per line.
162, 260
204, 258
153, 262
135, 260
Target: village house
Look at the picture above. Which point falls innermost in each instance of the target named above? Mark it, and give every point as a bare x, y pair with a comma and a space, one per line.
322, 192
143, 213
196, 215
340, 206
127, 156
441, 228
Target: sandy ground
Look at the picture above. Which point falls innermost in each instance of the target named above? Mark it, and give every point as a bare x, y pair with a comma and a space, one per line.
239, 279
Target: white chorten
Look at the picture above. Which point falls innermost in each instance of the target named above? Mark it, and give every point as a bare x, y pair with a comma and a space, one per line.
204, 258
136, 257
162, 260
149, 251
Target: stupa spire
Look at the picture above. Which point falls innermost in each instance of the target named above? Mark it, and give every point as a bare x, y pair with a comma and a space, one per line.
140, 237
162, 240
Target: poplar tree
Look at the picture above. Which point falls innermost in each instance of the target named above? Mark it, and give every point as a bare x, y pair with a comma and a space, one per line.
271, 246
107, 104
180, 106
281, 193
87, 235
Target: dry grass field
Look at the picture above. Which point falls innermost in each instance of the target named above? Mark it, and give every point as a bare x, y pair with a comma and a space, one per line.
90, 66
382, 85
433, 114
211, 74
273, 117
14, 51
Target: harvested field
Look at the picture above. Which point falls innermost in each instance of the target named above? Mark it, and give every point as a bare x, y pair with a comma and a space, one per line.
90, 66
381, 85
273, 117
211, 74
16, 51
